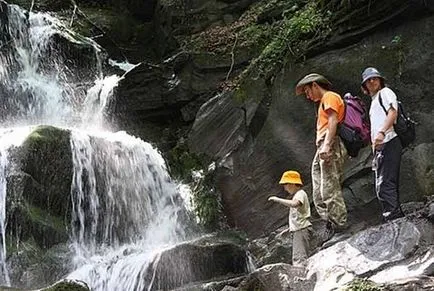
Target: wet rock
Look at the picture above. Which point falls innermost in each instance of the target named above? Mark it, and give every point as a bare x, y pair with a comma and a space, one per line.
421, 283
196, 261
229, 121
431, 212
67, 285
369, 251
277, 277
38, 188
275, 248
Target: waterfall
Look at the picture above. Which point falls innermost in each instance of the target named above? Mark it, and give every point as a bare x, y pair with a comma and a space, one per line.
136, 216
8, 138
124, 207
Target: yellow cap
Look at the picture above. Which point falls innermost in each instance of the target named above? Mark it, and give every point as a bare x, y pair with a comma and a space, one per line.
291, 177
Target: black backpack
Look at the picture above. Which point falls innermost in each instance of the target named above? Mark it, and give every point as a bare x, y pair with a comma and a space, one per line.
404, 126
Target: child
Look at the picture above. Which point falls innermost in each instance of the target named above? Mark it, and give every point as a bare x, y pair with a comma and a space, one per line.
299, 214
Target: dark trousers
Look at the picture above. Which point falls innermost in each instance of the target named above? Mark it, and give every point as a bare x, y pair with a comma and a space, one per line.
387, 162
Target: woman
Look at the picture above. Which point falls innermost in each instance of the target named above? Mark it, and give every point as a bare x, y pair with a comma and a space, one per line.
386, 145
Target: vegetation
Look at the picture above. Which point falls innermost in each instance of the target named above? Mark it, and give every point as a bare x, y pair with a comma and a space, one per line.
207, 203
270, 33
191, 168
362, 285
183, 162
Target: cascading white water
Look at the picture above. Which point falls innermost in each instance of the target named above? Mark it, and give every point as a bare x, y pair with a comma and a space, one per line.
124, 206
8, 138
136, 216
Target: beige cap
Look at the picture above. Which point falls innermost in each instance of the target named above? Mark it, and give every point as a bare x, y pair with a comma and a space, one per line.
313, 77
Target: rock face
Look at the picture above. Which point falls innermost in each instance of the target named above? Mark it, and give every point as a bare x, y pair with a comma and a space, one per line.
258, 132
285, 140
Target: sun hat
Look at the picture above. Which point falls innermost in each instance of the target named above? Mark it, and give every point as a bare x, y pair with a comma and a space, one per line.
310, 78
369, 73
291, 177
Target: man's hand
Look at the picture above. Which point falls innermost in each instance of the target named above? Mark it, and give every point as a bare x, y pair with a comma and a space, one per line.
325, 153
378, 141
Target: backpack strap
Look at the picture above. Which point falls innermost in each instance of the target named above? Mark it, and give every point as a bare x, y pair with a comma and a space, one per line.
381, 103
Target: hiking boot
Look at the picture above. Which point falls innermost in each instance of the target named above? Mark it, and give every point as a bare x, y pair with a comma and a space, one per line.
388, 216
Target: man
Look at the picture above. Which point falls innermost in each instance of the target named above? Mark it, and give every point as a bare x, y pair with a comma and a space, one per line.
299, 214
327, 165
386, 144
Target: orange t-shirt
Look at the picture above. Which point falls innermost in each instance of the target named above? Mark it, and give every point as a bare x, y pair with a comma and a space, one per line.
333, 101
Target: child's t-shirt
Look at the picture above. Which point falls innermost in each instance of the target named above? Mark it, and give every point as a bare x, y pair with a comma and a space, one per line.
299, 216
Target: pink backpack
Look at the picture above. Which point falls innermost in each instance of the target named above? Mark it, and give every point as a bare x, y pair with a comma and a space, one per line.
355, 130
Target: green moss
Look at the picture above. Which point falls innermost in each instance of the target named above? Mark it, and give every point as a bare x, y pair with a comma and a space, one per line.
45, 135
66, 286
44, 219
182, 162
362, 285
293, 34
276, 30
205, 199
207, 206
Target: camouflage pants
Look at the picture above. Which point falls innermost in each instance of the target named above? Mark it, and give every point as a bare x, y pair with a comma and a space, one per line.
326, 185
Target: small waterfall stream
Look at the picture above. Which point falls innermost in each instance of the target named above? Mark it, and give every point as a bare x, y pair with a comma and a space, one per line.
125, 208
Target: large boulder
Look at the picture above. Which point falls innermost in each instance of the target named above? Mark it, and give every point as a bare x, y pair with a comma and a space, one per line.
38, 207
196, 261
377, 253
39, 187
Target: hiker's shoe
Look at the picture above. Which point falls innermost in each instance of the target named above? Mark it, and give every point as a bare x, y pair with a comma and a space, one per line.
341, 228
388, 216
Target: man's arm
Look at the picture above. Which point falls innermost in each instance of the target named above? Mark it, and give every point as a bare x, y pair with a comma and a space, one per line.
330, 134
287, 202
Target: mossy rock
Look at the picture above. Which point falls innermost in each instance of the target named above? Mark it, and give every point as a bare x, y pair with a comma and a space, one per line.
362, 285
67, 286
32, 266
39, 186
47, 159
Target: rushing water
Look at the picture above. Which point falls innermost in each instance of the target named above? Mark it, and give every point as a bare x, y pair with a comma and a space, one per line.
125, 208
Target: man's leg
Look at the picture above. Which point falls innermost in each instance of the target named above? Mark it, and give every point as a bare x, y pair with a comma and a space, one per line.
387, 178
316, 188
331, 178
